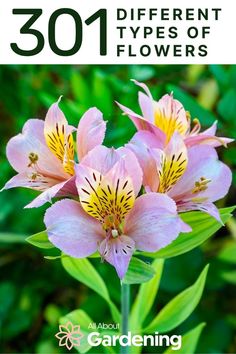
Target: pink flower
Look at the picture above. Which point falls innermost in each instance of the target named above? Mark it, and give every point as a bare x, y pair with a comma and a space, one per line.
193, 177
43, 154
164, 117
110, 217
69, 336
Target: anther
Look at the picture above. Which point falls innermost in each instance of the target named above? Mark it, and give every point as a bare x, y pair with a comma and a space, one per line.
33, 159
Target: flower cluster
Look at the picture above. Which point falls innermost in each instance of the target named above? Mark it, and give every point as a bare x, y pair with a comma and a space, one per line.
104, 209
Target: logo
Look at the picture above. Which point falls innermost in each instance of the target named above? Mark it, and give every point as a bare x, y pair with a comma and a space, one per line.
69, 335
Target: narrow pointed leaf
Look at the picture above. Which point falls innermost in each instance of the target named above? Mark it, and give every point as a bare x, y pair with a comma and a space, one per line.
179, 308
138, 272
189, 341
82, 270
146, 296
40, 240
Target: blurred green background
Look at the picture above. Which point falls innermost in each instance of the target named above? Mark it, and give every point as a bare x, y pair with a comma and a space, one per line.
35, 292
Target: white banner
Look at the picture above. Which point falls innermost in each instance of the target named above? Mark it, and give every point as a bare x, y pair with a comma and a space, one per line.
122, 32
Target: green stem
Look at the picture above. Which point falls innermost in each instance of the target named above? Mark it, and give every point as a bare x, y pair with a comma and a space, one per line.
125, 303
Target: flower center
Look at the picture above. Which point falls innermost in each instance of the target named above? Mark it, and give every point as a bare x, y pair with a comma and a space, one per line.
201, 185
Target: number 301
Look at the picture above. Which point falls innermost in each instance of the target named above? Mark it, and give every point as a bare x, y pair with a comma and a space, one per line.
100, 15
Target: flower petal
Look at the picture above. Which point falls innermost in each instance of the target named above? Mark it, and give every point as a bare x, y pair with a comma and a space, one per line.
153, 222
118, 252
91, 131
132, 167
72, 230
58, 136
101, 196
206, 207
203, 139
46, 196
140, 145
143, 124
171, 163
209, 168
103, 159
170, 116
31, 141
146, 105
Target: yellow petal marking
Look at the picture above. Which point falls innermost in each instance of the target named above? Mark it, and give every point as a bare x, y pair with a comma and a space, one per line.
171, 169
108, 204
168, 120
62, 146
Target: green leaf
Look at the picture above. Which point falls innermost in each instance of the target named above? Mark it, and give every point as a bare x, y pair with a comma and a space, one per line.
52, 258
40, 240
80, 88
179, 308
203, 227
191, 105
146, 296
81, 318
221, 75
11, 238
228, 253
82, 270
102, 94
138, 272
229, 276
189, 341
227, 106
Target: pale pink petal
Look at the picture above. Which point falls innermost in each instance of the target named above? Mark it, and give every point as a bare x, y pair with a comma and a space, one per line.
118, 252
144, 87
211, 130
31, 140
132, 167
46, 196
207, 137
19, 180
142, 124
71, 230
140, 146
146, 105
203, 163
101, 159
153, 222
206, 207
91, 131
203, 139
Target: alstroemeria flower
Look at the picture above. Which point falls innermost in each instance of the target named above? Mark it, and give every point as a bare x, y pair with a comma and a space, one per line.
43, 154
194, 177
166, 116
162, 167
110, 218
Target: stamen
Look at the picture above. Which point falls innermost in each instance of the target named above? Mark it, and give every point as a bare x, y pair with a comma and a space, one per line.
33, 159
201, 185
